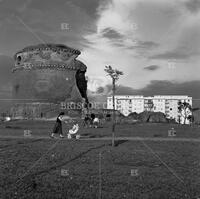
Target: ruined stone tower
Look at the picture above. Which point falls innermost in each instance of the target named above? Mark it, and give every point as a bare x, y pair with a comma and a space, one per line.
50, 73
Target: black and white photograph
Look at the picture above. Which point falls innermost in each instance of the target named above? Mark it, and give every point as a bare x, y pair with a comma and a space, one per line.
99, 99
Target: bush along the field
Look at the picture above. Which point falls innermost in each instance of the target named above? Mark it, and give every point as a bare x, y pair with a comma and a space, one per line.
147, 116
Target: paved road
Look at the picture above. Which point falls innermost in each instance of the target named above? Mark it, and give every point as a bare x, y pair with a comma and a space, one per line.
168, 139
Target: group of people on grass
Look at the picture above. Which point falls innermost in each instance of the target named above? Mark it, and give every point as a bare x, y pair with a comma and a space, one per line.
91, 121
57, 129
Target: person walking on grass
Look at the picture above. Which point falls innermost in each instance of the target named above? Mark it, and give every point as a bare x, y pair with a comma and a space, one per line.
57, 129
86, 121
92, 116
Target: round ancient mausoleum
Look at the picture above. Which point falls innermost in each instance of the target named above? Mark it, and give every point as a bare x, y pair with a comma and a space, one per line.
49, 72
44, 76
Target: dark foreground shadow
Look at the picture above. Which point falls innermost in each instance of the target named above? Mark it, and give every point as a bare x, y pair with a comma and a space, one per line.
118, 142
33, 175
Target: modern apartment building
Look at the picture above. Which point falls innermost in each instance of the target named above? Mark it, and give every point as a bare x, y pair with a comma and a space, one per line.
167, 104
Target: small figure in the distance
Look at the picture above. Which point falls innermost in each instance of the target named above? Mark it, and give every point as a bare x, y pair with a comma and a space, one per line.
92, 116
58, 126
86, 122
173, 131
96, 122
73, 131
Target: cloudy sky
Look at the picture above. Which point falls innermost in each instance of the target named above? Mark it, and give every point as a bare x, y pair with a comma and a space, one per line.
152, 41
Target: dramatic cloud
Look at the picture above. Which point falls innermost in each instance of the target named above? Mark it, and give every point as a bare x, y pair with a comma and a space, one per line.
33, 22
111, 34
6, 64
167, 88
193, 5
152, 67
143, 45
171, 55
126, 34
147, 44
160, 88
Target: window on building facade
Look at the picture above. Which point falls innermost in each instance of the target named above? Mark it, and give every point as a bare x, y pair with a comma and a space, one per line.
118, 102
63, 105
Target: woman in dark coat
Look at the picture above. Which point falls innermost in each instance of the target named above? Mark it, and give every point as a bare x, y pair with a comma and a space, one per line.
58, 126
87, 120
92, 116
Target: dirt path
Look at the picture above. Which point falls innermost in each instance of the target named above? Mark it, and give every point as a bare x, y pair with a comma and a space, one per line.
168, 139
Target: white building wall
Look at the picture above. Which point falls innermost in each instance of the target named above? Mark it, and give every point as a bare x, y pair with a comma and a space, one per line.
171, 111
138, 105
167, 104
159, 105
127, 104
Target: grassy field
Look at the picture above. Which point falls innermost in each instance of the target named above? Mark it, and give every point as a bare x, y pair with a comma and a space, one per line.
31, 168
122, 130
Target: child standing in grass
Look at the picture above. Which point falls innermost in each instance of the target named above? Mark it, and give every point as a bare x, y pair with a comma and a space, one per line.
58, 126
